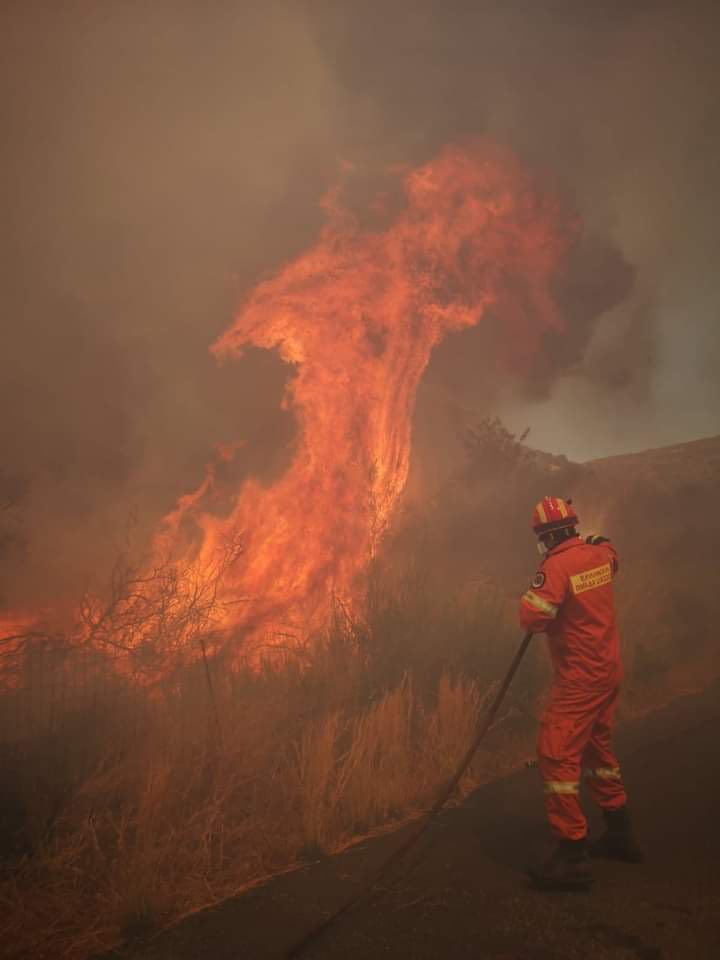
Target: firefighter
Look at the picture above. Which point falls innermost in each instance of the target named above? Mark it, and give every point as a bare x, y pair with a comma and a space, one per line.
571, 600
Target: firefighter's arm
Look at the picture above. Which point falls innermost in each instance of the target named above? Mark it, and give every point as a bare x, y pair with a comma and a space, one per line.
540, 604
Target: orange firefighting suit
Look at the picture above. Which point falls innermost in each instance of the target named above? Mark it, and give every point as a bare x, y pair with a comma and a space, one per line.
571, 600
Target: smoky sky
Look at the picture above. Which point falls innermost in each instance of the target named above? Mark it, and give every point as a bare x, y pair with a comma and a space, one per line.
160, 158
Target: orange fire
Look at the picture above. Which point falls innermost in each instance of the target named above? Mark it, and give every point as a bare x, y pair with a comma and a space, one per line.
357, 316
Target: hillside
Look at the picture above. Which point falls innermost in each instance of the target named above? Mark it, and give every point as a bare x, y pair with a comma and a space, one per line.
676, 469
660, 508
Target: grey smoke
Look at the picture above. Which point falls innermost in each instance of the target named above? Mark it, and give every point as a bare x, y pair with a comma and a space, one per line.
160, 158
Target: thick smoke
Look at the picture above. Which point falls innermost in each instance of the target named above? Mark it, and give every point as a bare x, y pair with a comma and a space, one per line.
159, 158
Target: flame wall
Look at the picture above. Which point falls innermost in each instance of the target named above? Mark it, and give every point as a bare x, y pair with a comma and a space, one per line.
358, 316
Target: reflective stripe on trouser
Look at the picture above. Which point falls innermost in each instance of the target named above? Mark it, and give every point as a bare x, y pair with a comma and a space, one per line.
602, 773
575, 733
561, 786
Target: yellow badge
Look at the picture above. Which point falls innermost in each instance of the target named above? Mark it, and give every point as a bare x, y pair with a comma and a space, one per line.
597, 577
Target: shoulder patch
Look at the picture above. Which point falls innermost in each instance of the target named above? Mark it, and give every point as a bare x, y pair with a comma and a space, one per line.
538, 580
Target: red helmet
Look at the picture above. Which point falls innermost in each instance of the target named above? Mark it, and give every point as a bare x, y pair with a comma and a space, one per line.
552, 513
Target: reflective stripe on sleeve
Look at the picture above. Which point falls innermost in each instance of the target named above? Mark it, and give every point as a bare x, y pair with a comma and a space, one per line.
537, 603
603, 773
561, 786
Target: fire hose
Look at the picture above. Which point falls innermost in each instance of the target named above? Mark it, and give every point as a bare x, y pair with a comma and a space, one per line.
423, 822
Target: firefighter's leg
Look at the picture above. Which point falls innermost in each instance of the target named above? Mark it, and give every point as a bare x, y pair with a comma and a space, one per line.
604, 780
600, 766
561, 786
564, 730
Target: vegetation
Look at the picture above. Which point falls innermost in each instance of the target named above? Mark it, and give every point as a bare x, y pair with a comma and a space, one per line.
146, 773
135, 803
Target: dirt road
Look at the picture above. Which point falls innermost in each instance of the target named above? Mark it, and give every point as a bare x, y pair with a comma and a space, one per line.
461, 893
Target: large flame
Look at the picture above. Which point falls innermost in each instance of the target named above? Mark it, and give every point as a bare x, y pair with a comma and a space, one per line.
357, 316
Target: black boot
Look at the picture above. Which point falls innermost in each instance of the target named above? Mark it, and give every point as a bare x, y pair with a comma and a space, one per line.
567, 869
618, 842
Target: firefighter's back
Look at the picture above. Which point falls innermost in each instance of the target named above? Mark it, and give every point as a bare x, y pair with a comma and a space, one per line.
585, 641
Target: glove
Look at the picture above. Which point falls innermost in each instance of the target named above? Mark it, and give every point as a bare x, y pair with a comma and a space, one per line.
595, 538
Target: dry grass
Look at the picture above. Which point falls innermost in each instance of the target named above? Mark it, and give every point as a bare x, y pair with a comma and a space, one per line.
173, 825
139, 803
